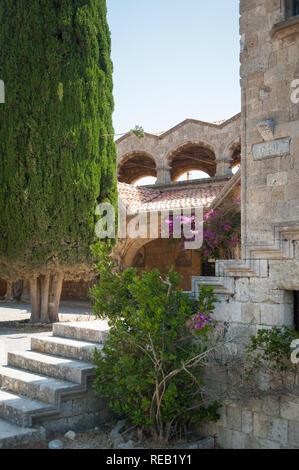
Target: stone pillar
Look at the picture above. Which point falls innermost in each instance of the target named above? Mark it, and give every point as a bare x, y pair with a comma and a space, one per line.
224, 166
163, 174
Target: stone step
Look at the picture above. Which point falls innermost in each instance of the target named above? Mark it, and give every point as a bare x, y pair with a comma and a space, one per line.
19, 410
61, 368
91, 331
13, 436
64, 347
36, 386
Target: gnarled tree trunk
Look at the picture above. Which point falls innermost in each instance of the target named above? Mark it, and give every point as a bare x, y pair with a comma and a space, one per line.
9, 291
45, 293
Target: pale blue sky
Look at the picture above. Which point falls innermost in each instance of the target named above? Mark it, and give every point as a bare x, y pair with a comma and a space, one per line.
174, 59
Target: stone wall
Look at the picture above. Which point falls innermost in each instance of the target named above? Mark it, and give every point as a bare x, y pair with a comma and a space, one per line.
261, 285
215, 143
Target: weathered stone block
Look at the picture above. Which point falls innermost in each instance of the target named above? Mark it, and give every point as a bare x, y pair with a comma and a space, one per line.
234, 420
247, 421
238, 440
259, 290
278, 430
289, 408
276, 315
294, 434
277, 179
260, 425
224, 438
228, 312
251, 313
242, 290
271, 406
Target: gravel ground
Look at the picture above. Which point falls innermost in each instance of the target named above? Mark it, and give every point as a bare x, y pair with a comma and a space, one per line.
99, 438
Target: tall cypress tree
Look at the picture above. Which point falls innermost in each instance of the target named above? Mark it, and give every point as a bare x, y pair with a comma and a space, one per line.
55, 164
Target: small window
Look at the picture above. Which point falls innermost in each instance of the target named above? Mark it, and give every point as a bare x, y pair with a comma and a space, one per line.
292, 8
296, 310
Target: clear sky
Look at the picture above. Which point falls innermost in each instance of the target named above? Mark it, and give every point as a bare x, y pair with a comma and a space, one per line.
174, 59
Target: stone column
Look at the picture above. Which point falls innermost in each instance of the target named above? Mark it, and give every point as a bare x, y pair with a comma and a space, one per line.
163, 174
224, 166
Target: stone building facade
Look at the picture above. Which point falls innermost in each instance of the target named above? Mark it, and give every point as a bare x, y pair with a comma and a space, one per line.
258, 290
191, 145
261, 288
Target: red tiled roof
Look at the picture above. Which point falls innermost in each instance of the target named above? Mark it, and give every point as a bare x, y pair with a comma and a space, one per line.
137, 198
134, 197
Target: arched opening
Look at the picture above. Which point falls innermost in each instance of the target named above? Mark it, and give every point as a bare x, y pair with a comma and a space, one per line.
145, 181
193, 175
192, 157
236, 156
135, 167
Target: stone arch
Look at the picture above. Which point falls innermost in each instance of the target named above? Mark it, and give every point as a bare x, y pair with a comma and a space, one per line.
191, 155
135, 165
133, 248
146, 254
233, 149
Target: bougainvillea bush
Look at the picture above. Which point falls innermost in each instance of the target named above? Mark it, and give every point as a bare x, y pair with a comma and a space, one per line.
151, 367
221, 231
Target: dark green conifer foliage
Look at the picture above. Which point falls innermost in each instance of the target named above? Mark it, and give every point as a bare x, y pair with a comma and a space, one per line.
54, 164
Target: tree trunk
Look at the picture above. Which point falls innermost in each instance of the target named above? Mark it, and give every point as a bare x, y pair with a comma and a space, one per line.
54, 297
45, 288
9, 294
35, 300
45, 293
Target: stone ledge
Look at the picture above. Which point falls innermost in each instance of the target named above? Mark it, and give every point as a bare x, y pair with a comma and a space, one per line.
222, 285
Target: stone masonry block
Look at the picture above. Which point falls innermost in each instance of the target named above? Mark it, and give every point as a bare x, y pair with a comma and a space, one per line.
251, 313
294, 434
271, 406
234, 420
289, 408
278, 430
242, 290
260, 425
238, 440
259, 290
228, 312
224, 438
247, 421
276, 315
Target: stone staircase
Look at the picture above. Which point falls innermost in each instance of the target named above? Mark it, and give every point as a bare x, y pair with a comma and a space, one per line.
255, 262
49, 387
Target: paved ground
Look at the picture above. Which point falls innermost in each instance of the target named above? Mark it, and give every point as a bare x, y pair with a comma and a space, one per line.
15, 333
68, 311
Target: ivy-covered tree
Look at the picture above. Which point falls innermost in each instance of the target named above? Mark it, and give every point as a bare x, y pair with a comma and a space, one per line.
57, 160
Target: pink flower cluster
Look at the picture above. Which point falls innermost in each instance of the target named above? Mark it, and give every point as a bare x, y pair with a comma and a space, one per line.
220, 230
201, 320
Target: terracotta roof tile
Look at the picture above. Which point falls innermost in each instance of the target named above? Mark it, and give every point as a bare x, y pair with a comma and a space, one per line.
134, 197
137, 198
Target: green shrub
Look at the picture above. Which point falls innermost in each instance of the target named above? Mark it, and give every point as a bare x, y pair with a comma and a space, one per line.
269, 352
151, 370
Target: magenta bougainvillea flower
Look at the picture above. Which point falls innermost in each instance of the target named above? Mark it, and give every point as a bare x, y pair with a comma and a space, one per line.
201, 321
221, 230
